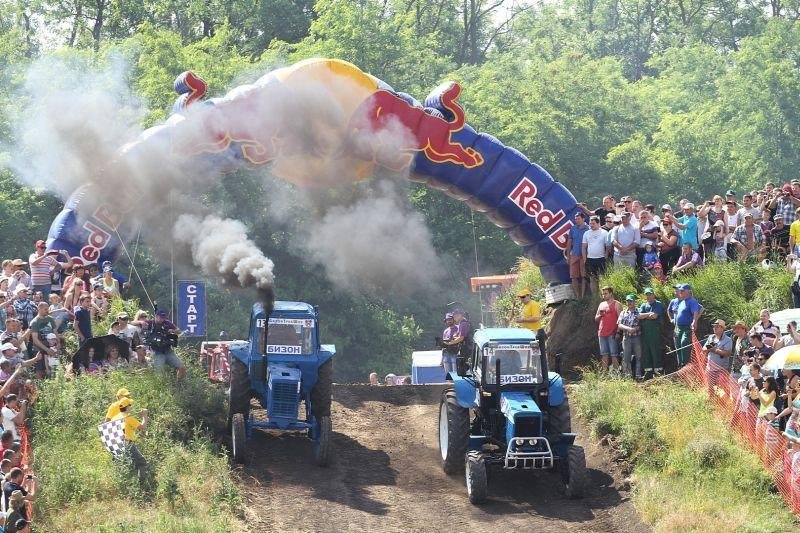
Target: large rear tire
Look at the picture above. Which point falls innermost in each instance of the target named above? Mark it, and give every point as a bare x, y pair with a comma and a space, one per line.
573, 472
322, 391
560, 418
322, 449
453, 432
238, 438
240, 390
477, 481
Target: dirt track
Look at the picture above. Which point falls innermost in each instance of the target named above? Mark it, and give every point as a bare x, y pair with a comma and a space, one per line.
386, 476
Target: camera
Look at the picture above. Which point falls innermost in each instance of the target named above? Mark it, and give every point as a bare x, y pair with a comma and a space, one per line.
711, 345
29, 476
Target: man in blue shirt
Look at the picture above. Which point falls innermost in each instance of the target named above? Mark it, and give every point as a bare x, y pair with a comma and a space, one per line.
83, 319
686, 316
574, 254
688, 226
651, 315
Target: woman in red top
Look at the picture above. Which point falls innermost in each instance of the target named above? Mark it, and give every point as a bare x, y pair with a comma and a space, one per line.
606, 317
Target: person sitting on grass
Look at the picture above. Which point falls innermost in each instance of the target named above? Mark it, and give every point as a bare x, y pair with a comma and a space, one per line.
688, 259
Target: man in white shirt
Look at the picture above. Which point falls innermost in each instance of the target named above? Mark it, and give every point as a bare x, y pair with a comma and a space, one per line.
594, 252
13, 414
625, 239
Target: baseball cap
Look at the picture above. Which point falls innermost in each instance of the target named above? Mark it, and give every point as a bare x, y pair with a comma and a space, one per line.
730, 192
666, 207
523, 293
51, 336
40, 242
448, 316
773, 410
125, 402
617, 218
630, 298
685, 287
776, 217
7, 346
649, 290
106, 263
122, 314
107, 269
161, 313
747, 214
21, 288
688, 205
719, 223
718, 322
625, 214
123, 393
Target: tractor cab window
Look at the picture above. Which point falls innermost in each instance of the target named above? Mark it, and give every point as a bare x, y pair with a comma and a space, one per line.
519, 363
292, 336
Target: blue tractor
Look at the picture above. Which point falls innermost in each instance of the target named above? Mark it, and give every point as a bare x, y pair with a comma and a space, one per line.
283, 365
508, 411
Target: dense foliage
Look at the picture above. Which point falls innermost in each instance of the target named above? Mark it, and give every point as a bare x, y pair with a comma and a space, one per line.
656, 98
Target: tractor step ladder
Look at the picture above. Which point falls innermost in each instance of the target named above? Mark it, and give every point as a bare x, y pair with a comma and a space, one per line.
524, 455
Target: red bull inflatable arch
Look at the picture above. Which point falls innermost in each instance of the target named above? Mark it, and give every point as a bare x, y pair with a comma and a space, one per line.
321, 119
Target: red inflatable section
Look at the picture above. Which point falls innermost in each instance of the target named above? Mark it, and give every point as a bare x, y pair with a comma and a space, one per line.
769, 444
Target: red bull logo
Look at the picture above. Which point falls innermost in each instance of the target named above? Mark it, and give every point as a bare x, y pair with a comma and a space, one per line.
524, 196
388, 128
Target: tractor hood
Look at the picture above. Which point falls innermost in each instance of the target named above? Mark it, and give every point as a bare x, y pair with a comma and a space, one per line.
523, 416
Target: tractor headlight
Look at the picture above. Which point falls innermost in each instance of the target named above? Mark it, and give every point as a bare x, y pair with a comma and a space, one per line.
531, 442
520, 442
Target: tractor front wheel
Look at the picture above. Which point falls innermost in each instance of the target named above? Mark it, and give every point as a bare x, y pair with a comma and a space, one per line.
477, 482
560, 420
322, 391
238, 438
453, 432
573, 472
240, 390
323, 445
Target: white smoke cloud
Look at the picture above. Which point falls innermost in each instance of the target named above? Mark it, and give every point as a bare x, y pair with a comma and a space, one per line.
221, 248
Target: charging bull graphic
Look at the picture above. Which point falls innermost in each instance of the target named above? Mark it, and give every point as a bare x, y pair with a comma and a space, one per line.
334, 116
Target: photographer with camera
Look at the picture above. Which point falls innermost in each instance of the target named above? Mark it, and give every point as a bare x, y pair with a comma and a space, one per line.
162, 336
19, 480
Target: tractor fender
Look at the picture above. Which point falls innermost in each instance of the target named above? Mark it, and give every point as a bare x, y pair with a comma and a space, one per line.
556, 393
241, 352
467, 393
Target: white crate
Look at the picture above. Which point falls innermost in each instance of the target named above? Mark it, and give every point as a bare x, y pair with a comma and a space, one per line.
558, 293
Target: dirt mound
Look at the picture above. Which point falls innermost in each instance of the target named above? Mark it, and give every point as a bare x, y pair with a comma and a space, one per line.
386, 475
572, 331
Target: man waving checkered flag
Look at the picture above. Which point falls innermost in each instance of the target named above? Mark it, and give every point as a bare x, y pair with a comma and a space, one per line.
112, 434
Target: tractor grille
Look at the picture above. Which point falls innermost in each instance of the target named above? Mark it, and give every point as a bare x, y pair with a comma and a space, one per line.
284, 399
526, 426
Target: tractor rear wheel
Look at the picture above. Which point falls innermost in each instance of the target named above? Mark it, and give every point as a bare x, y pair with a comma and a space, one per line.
240, 390
453, 432
238, 438
560, 419
323, 388
323, 446
477, 481
573, 472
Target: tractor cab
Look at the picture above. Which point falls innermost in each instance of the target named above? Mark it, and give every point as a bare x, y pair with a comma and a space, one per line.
508, 359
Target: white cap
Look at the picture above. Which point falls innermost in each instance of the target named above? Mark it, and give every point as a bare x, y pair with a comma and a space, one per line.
666, 206
20, 288
51, 336
719, 223
7, 346
688, 205
748, 214
772, 409
617, 218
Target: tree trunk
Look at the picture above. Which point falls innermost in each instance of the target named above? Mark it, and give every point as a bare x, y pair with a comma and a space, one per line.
98, 23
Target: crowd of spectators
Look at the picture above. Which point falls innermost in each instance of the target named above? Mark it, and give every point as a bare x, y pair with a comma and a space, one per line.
760, 225
41, 301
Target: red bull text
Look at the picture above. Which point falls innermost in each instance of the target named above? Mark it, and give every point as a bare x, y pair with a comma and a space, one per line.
524, 196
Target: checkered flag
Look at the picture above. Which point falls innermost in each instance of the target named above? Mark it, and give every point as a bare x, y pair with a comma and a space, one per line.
113, 436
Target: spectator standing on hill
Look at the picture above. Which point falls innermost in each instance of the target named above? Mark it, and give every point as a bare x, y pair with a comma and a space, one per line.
24, 308
779, 237
793, 267
606, 317
109, 283
18, 278
83, 320
159, 329
687, 225
668, 248
16, 480
628, 324
42, 326
43, 265
741, 342
794, 232
651, 314
606, 209
687, 313
113, 409
791, 338
99, 302
748, 207
594, 252
785, 204
625, 239
758, 350
718, 348
574, 255
13, 414
768, 330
